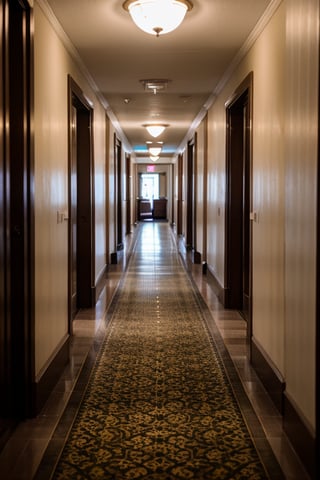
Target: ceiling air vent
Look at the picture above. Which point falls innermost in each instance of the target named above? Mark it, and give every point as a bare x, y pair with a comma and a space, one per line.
155, 85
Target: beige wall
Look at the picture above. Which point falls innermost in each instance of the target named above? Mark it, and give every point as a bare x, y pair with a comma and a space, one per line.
284, 193
301, 172
52, 66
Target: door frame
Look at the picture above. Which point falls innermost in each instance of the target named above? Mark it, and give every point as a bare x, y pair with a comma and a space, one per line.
179, 194
317, 366
17, 243
118, 195
233, 266
190, 194
107, 188
85, 213
128, 194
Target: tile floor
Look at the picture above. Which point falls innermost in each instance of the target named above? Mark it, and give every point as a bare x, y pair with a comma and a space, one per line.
22, 454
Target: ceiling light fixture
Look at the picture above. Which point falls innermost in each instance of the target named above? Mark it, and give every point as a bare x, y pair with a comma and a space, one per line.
157, 16
153, 158
156, 129
154, 148
154, 151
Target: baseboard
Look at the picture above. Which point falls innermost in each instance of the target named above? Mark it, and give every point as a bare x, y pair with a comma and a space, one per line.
300, 436
218, 289
7, 427
100, 282
116, 257
44, 386
196, 257
270, 377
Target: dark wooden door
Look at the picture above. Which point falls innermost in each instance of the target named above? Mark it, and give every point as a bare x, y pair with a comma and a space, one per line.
190, 226
73, 213
179, 195
16, 216
238, 203
128, 195
81, 204
118, 193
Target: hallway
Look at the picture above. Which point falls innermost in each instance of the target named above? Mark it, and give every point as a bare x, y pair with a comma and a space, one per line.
151, 252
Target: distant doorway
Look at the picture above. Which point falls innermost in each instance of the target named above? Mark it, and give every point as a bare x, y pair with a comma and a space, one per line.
149, 186
238, 256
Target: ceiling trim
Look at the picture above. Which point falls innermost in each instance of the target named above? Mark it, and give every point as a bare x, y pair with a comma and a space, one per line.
45, 7
256, 32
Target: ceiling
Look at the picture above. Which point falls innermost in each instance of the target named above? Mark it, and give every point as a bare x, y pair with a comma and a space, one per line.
193, 58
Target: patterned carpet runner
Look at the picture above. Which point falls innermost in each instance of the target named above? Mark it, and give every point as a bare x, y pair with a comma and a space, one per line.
159, 405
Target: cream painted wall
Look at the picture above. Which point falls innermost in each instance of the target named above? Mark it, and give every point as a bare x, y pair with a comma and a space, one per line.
266, 60
52, 66
51, 191
284, 193
268, 64
301, 191
99, 142
216, 179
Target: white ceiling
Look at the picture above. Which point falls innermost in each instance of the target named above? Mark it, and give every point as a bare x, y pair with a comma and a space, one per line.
194, 58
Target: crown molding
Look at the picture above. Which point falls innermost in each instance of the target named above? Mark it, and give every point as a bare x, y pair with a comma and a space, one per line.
253, 36
251, 39
46, 9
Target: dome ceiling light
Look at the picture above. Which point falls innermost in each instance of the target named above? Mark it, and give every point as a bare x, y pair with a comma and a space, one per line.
155, 148
157, 16
154, 151
153, 158
155, 129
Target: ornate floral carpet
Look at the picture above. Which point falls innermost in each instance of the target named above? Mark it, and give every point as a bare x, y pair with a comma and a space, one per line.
159, 404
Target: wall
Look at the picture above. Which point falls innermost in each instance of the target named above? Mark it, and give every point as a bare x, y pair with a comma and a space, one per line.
284, 63
52, 65
301, 191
